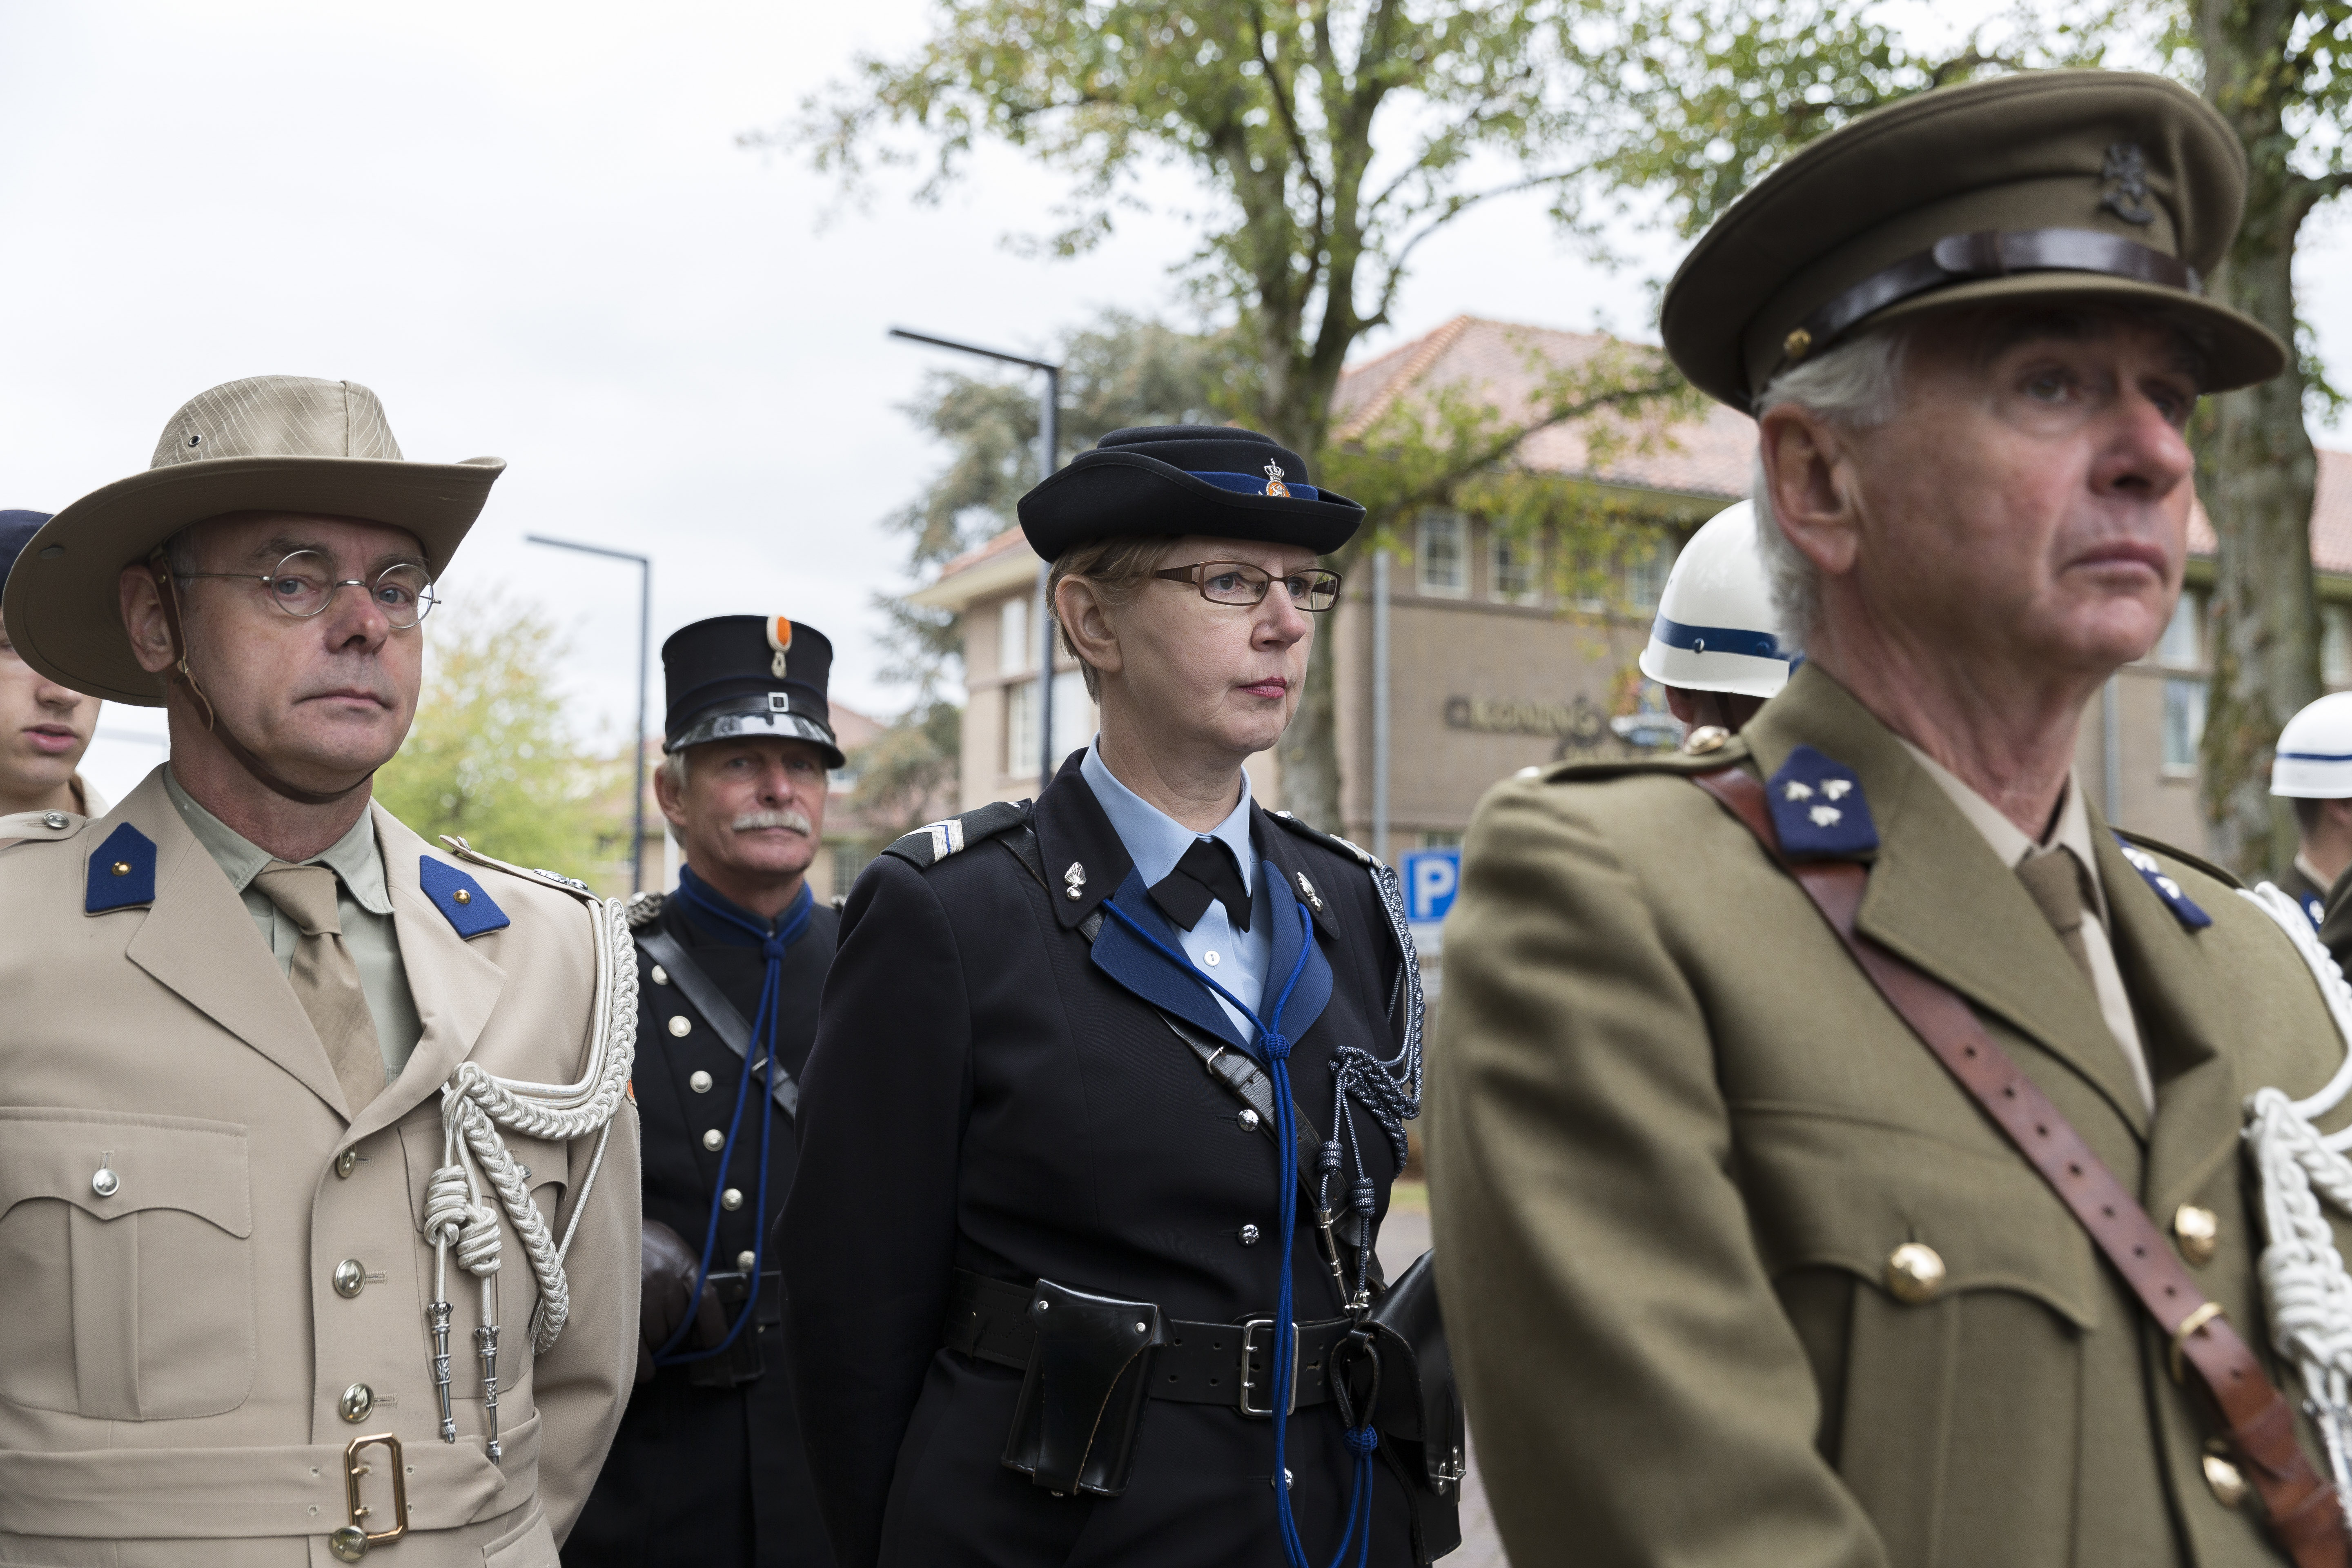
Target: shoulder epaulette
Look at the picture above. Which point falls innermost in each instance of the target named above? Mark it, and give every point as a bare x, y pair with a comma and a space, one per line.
935, 841
573, 885
1330, 841
42, 824
1720, 753
643, 909
2157, 846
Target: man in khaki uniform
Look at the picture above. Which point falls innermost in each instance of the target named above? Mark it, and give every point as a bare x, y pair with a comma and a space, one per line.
233, 1004
1736, 1271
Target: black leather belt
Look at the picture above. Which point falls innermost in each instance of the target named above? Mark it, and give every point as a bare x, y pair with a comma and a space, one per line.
1202, 1363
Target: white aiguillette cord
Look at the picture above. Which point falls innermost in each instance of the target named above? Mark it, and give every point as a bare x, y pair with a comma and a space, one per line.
2305, 1283
474, 1105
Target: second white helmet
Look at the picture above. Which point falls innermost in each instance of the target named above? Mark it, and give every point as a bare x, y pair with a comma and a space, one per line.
1715, 630
2313, 759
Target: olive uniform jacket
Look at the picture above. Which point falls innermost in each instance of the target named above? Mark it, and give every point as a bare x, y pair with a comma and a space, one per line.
175, 1357
1675, 1135
984, 1095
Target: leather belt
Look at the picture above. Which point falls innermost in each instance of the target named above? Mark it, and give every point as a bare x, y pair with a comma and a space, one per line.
1202, 1363
2303, 1512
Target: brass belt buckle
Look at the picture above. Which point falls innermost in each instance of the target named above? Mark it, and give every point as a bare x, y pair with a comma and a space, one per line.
350, 1542
1249, 1336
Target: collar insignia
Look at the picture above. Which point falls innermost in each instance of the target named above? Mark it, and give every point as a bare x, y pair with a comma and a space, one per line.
2183, 908
459, 897
1818, 808
121, 872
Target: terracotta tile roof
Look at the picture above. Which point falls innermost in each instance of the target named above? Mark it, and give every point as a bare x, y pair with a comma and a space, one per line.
988, 550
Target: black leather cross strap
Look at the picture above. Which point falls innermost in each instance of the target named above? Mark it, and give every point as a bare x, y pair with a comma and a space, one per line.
1202, 1363
1964, 258
2303, 1513
717, 1011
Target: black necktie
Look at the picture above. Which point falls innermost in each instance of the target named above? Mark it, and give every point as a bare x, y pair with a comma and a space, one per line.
1207, 871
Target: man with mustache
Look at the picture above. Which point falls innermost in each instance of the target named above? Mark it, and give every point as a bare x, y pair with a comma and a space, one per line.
707, 1469
318, 1178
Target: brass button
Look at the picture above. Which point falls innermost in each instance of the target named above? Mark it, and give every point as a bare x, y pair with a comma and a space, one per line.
1915, 1272
1705, 739
744, 1261
349, 1543
661, 976
2228, 1485
1797, 343
680, 1027
732, 1199
105, 1183
122, 867
2199, 1231
462, 896
700, 1082
356, 1402
350, 1277
714, 1140
346, 1163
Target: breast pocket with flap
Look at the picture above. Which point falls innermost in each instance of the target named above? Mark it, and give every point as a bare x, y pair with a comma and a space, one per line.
126, 1268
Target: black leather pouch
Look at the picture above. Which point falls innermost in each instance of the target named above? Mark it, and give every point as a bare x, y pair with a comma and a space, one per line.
1083, 1395
1420, 1409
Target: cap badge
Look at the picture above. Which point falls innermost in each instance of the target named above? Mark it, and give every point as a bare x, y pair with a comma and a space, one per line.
1274, 485
780, 637
2127, 171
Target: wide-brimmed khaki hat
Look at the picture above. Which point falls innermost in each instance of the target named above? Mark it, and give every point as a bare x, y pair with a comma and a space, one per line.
2057, 187
272, 443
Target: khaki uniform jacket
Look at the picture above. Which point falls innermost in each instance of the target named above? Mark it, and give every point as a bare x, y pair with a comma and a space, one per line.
173, 1354
1675, 1135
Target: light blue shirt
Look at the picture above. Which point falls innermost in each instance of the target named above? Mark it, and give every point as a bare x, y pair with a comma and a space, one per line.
1155, 841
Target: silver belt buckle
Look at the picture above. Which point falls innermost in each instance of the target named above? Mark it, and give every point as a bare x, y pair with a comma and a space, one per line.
1250, 1337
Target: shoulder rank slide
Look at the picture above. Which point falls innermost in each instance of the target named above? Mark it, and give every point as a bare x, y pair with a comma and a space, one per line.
1818, 809
645, 907
121, 872
2184, 908
1330, 841
458, 897
557, 880
935, 841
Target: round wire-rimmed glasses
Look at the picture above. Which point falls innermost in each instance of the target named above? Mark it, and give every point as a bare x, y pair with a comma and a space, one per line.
304, 583
1313, 591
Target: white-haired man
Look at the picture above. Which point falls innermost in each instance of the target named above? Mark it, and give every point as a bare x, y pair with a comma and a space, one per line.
1835, 1156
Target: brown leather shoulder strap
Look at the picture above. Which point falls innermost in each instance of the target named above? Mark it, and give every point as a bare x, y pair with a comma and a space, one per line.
2306, 1516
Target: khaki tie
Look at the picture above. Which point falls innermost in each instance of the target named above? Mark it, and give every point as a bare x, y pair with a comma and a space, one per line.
2055, 878
326, 979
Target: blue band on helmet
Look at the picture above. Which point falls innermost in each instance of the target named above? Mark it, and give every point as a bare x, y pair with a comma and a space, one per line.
2315, 756
1718, 639
1253, 484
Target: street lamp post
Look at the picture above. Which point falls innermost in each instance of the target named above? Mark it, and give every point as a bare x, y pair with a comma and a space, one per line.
645, 657
1049, 441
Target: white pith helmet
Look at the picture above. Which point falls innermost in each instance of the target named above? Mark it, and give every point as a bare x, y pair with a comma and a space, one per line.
1715, 630
2314, 761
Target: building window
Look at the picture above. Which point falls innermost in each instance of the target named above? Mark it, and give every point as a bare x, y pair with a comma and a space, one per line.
1511, 567
1021, 727
2182, 645
1645, 574
1445, 561
850, 856
2184, 725
2335, 645
1074, 722
1434, 841
1013, 653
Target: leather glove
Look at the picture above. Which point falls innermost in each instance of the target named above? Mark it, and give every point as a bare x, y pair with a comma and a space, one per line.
666, 1297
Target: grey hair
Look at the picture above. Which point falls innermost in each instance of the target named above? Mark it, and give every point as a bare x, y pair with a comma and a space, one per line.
672, 767
1855, 385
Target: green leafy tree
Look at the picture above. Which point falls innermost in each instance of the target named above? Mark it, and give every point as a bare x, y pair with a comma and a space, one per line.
1332, 139
907, 774
490, 758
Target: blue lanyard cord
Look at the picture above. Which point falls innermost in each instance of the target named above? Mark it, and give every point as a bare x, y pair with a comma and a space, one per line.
1361, 1440
772, 946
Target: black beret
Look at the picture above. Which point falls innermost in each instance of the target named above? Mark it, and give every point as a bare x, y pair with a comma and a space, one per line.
1174, 480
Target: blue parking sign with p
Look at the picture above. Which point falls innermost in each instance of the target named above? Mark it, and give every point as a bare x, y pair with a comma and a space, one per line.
1430, 877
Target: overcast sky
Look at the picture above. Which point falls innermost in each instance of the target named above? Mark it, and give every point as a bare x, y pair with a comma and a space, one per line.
529, 229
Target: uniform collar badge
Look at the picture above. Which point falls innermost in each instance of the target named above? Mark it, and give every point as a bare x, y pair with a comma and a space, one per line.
459, 897
2183, 908
1818, 809
121, 872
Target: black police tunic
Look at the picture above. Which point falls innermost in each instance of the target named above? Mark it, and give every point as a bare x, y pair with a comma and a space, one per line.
702, 1476
984, 1096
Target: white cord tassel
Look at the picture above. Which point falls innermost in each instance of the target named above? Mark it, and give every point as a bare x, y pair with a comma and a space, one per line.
2305, 1283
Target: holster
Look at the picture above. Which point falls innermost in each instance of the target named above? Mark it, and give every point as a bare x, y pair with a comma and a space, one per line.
742, 1362
1419, 1410
1083, 1394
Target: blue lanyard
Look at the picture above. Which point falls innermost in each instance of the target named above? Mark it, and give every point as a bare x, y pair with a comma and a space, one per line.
772, 946
1364, 1440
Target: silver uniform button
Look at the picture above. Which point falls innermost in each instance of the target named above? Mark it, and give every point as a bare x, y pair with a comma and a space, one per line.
346, 1163
744, 1260
1248, 1119
356, 1402
350, 1277
349, 1543
681, 1027
661, 976
732, 1199
105, 1183
699, 1082
1249, 1236
54, 820
714, 1140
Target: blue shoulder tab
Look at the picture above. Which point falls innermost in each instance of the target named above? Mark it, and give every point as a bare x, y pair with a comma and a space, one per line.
2184, 908
1818, 808
460, 898
121, 872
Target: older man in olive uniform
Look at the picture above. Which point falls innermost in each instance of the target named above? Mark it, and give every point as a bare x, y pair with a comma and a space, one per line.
1779, 1085
318, 1182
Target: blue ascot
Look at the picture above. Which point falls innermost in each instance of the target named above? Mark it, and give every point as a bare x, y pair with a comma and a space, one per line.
731, 923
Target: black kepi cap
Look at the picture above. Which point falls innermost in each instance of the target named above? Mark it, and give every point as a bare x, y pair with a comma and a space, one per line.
736, 676
1212, 479
16, 530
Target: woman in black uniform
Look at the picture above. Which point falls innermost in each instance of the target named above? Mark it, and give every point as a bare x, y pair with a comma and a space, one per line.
1047, 1237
